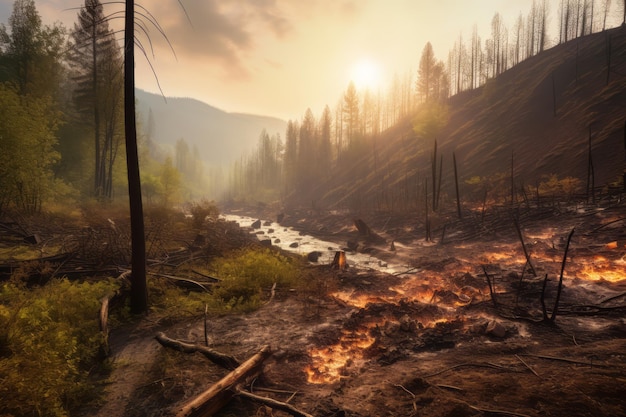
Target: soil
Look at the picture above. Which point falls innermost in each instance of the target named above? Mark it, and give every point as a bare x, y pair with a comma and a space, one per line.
427, 337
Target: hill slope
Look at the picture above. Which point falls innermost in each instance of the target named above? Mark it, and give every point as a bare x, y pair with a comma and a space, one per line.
540, 112
220, 137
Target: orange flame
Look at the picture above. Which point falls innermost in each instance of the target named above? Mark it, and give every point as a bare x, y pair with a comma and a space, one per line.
330, 362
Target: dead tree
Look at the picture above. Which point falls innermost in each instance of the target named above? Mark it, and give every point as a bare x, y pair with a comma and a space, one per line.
456, 184
558, 292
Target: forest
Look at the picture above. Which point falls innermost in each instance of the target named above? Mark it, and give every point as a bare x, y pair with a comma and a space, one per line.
451, 246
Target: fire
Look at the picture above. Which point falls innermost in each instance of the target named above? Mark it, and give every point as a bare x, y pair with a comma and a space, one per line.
598, 273
328, 363
602, 268
359, 300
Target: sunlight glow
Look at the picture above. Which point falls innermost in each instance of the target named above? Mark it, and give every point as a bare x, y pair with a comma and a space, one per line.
366, 74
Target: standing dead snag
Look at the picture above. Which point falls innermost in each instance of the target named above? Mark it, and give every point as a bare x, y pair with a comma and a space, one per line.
558, 292
521, 238
491, 287
214, 398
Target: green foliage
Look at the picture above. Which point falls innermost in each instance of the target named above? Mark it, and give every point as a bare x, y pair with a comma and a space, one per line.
49, 341
430, 120
247, 273
246, 277
552, 185
27, 140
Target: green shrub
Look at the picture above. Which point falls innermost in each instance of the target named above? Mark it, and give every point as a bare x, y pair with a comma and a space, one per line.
249, 272
49, 341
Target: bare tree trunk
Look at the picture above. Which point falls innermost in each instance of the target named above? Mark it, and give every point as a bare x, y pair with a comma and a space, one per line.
456, 184
138, 289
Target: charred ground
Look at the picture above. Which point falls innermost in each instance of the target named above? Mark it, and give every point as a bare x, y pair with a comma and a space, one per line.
428, 339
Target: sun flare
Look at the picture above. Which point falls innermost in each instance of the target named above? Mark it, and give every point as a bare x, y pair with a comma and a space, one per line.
366, 74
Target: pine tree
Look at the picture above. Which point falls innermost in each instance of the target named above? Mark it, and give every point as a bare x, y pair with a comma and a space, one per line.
98, 95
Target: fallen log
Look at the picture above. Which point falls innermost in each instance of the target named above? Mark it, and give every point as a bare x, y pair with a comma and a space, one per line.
214, 398
223, 360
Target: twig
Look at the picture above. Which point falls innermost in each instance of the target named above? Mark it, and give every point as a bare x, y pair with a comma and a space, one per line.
404, 389
218, 358
175, 278
275, 404
483, 365
555, 358
606, 300
528, 366
490, 411
272, 293
450, 387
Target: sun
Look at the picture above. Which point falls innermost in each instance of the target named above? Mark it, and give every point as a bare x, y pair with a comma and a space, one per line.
365, 74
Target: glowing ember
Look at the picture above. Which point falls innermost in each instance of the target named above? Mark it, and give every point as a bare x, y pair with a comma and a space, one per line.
359, 300
602, 272
329, 362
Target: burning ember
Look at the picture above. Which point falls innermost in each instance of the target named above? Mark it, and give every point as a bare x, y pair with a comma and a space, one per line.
329, 362
602, 269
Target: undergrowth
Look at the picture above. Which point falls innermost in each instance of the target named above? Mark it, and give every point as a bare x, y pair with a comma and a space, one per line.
50, 340
246, 278
49, 343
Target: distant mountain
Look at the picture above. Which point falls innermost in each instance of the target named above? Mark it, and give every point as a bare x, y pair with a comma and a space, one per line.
220, 137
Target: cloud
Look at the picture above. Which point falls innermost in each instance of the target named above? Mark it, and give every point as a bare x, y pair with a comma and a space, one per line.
224, 32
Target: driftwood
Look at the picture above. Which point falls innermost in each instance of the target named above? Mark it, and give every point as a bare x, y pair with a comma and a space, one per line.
214, 398
225, 361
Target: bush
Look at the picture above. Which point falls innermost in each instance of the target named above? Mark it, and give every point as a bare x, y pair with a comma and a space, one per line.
49, 341
250, 271
200, 210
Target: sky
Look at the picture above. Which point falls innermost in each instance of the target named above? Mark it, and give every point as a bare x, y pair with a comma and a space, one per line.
280, 57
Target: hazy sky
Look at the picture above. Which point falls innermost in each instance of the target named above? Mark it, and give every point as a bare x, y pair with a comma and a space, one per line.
280, 57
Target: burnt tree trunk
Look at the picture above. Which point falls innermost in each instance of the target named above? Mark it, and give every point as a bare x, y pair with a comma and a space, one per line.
138, 289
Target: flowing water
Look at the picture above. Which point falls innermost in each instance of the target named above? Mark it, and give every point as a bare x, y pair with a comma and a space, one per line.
291, 240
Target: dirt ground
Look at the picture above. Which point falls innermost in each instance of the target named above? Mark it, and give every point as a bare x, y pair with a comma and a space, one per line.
425, 338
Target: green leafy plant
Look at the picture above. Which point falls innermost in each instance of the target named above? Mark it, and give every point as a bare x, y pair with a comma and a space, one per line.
249, 272
49, 342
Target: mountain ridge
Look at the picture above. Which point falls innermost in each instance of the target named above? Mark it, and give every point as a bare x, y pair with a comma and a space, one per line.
220, 137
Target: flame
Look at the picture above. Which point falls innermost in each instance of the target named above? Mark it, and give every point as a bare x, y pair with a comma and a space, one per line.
601, 273
328, 363
360, 300
602, 268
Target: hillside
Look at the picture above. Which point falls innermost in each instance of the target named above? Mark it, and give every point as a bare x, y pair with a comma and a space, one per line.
541, 112
220, 137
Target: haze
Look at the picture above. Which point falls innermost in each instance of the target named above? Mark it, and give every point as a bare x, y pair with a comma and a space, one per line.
278, 58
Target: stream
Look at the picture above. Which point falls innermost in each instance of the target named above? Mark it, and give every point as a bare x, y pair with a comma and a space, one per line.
291, 240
